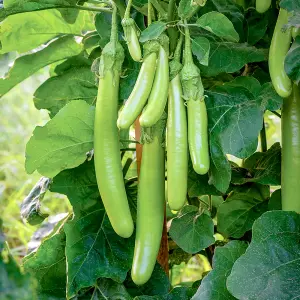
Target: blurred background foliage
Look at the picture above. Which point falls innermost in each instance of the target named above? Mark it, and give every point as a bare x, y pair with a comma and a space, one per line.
18, 119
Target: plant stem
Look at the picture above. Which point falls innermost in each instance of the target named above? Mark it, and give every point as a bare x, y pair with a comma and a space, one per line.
172, 32
149, 17
188, 57
121, 7
177, 54
263, 138
127, 11
276, 113
114, 26
159, 8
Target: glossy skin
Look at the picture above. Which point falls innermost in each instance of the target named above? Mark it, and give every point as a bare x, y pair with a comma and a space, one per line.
108, 164
279, 47
139, 94
150, 210
133, 45
263, 5
290, 168
198, 135
177, 147
159, 92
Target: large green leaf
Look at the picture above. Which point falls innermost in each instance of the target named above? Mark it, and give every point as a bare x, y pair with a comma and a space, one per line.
13, 282
27, 65
106, 289
63, 142
156, 286
235, 120
270, 268
93, 249
230, 57
178, 293
199, 185
192, 231
257, 25
27, 31
292, 61
201, 48
213, 285
290, 5
241, 208
265, 167
77, 83
219, 25
186, 9
48, 266
153, 31
13, 7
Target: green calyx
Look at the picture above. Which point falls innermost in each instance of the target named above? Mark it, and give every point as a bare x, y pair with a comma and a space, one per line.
157, 130
191, 82
112, 58
127, 22
175, 65
163, 40
175, 68
150, 47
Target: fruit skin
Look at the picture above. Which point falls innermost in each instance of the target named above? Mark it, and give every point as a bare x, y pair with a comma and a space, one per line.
290, 169
198, 135
150, 205
279, 47
108, 164
140, 93
131, 38
159, 92
177, 146
263, 5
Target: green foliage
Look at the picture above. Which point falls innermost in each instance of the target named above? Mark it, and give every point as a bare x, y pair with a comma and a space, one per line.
60, 142
213, 286
271, 258
219, 25
27, 65
153, 31
192, 231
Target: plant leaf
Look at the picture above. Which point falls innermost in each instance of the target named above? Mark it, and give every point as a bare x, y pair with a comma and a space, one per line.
292, 61
192, 231
48, 266
241, 208
186, 9
63, 142
27, 31
17, 7
230, 57
77, 83
213, 285
235, 120
153, 31
290, 5
201, 48
93, 249
156, 286
219, 25
27, 65
270, 268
